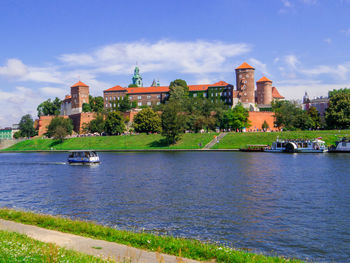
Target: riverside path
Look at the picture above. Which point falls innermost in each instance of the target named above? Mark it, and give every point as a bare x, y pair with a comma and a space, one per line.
119, 252
214, 141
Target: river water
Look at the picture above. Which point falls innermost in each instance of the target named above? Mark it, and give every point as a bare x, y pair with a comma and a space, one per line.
296, 205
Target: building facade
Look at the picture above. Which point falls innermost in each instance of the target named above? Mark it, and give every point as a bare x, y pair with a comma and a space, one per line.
245, 93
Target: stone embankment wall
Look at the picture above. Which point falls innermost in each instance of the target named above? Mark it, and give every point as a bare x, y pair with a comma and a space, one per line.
7, 143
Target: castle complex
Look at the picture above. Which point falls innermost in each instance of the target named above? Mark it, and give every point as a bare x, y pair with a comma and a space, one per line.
257, 101
245, 93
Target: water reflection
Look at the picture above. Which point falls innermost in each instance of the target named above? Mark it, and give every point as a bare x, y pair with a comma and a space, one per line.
293, 204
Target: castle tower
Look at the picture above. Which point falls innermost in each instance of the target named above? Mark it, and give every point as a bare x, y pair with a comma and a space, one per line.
79, 95
264, 91
137, 79
245, 83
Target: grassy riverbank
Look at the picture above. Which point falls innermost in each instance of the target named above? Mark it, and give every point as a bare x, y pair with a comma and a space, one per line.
129, 142
188, 141
241, 140
165, 244
15, 247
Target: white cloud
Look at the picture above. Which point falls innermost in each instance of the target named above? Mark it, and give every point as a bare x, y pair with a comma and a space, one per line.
53, 92
260, 66
185, 57
14, 68
286, 3
18, 102
328, 40
346, 32
339, 71
292, 61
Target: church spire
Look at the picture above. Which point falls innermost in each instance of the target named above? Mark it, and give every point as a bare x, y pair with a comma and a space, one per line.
137, 79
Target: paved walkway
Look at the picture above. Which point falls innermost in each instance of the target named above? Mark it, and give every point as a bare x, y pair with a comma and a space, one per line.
120, 253
214, 141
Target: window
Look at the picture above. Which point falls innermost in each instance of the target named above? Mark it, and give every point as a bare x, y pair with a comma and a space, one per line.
194, 95
138, 97
130, 97
110, 105
158, 96
106, 98
225, 93
106, 105
139, 103
229, 93
204, 95
114, 98
149, 103
158, 103
148, 96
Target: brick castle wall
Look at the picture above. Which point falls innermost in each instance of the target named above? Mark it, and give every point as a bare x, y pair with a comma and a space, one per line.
257, 119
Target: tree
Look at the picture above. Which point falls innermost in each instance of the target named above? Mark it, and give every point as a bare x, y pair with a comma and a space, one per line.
290, 116
147, 121
26, 126
97, 124
96, 103
57, 125
315, 117
236, 118
114, 123
178, 90
132, 86
86, 107
338, 113
60, 133
17, 135
172, 122
265, 126
49, 107
124, 104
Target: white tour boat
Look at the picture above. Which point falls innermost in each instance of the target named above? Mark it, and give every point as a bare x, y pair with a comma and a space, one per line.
341, 146
83, 157
297, 146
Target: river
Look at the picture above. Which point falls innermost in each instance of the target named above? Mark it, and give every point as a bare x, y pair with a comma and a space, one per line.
296, 205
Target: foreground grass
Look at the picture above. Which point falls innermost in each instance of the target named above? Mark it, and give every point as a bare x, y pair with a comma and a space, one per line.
241, 140
129, 142
15, 247
165, 244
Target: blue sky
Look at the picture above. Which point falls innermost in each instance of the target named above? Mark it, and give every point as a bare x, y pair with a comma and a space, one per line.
46, 46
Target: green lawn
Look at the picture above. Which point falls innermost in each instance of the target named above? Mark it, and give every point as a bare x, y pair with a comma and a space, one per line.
241, 140
129, 142
187, 248
15, 247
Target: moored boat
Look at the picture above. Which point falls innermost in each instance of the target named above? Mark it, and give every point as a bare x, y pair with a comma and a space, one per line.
83, 157
298, 146
341, 146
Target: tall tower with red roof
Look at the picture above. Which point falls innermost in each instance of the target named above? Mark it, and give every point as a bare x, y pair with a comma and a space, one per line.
264, 91
79, 95
245, 84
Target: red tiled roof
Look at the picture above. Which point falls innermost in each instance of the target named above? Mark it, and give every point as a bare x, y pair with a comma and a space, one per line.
116, 88
160, 89
276, 94
148, 90
220, 83
80, 84
245, 66
264, 79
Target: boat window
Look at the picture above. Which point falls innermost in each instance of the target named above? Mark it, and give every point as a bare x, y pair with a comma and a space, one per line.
71, 155
305, 145
278, 145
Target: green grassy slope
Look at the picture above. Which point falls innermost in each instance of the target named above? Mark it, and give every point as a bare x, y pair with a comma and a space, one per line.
165, 244
130, 142
241, 140
15, 247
